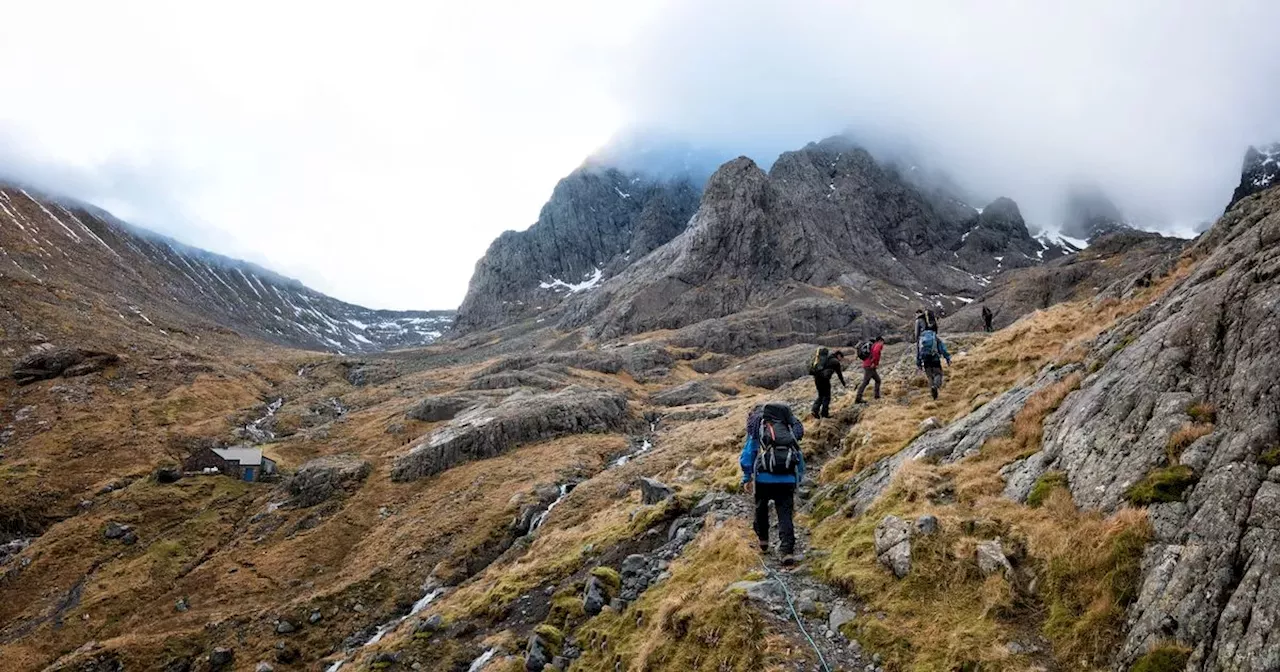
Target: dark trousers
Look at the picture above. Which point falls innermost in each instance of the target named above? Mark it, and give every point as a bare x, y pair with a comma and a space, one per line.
822, 405
869, 374
986, 322
783, 497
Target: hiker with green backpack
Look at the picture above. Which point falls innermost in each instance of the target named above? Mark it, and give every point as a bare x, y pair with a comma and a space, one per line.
824, 365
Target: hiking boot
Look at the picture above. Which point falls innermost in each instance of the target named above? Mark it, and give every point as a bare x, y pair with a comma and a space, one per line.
764, 547
788, 560
859, 401
934, 391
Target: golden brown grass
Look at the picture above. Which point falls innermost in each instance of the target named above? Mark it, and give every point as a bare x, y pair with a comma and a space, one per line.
1182, 439
691, 622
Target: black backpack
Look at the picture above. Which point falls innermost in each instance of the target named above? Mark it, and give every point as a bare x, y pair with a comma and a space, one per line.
779, 451
819, 361
930, 321
864, 350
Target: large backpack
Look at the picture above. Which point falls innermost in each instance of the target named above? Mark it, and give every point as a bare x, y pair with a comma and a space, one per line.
779, 451
819, 361
864, 350
930, 321
929, 345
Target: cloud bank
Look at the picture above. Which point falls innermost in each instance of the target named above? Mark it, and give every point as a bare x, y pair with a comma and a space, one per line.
374, 152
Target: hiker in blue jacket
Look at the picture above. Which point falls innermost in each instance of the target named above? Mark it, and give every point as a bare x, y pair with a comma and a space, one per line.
929, 356
772, 466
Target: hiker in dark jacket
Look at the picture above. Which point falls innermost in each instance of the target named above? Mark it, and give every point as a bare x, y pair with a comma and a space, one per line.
766, 486
930, 352
987, 317
822, 380
869, 370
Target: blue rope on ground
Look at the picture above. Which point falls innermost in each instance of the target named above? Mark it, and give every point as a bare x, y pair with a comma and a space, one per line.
792, 605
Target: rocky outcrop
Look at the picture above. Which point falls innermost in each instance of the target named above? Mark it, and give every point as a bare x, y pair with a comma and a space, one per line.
962, 438
323, 478
692, 392
1113, 265
802, 320
999, 240
47, 361
597, 221
893, 545
1261, 171
1209, 574
521, 418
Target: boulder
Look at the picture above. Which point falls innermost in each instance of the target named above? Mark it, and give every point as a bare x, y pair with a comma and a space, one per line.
928, 425
653, 491
222, 657
46, 361
168, 474
483, 433
839, 616
284, 627
893, 545
991, 558
114, 530
760, 591
595, 596
323, 478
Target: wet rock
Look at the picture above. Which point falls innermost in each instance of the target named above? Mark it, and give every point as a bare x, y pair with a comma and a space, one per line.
168, 474
544, 377
315, 617
544, 644
560, 663
991, 558
323, 478
181, 605
221, 657
693, 392
927, 524
653, 491
284, 627
483, 433
130, 538
893, 545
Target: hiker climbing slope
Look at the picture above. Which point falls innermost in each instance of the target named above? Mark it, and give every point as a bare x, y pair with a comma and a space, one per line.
930, 351
870, 357
987, 317
772, 466
926, 320
822, 367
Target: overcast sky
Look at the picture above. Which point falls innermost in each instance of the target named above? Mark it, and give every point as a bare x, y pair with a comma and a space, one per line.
374, 150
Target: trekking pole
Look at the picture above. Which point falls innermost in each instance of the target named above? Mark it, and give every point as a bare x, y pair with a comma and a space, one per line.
792, 605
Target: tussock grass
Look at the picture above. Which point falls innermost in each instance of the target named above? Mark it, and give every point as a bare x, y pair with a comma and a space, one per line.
1163, 658
1162, 485
1203, 412
1184, 437
1074, 572
690, 623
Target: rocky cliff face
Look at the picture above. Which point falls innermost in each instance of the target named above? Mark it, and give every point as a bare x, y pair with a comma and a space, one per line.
1261, 171
147, 281
824, 216
598, 221
1185, 416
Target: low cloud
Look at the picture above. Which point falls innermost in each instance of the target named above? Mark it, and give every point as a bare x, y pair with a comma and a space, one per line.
1154, 102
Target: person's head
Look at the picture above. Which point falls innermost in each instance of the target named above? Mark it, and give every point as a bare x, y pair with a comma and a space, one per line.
879, 338
838, 355
919, 312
